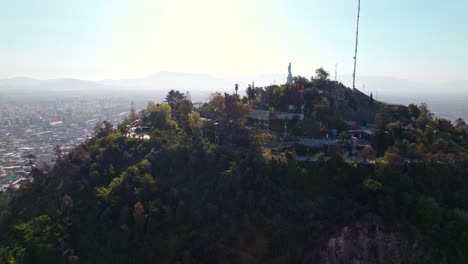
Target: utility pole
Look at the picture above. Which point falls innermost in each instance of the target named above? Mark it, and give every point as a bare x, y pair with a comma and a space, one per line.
356, 47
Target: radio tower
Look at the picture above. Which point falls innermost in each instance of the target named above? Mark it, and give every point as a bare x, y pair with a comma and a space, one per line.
336, 72
355, 50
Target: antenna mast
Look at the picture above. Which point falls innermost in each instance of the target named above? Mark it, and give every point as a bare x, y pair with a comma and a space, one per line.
355, 50
336, 72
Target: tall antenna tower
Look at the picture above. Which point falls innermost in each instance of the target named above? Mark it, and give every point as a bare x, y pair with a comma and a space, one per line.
355, 50
336, 72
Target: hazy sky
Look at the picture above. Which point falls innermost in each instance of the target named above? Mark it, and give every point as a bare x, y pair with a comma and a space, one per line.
100, 39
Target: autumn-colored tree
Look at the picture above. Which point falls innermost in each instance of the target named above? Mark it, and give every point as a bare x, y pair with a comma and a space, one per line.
217, 104
367, 152
236, 111
139, 217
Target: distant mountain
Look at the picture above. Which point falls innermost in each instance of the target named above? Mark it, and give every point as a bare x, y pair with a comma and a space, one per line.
21, 89
261, 80
22, 85
199, 85
17, 82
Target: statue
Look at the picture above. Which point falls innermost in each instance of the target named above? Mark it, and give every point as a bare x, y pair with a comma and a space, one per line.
290, 78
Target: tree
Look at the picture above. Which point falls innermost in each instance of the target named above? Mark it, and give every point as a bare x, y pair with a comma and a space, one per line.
300, 80
459, 123
428, 213
293, 94
133, 114
273, 94
395, 129
182, 110
322, 109
31, 160
424, 117
158, 115
151, 107
139, 217
173, 96
195, 123
58, 153
162, 116
217, 104
381, 120
236, 112
371, 100
123, 129
381, 141
413, 111
372, 185
322, 74
103, 129
250, 91
367, 152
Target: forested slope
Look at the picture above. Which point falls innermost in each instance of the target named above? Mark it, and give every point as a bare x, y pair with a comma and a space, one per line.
179, 198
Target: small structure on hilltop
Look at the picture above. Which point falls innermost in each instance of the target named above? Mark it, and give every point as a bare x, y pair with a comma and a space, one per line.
137, 130
289, 80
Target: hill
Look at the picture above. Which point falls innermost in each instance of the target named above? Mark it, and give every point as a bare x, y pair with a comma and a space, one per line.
180, 196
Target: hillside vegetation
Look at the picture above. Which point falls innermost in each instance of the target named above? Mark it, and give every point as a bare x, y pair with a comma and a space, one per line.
180, 197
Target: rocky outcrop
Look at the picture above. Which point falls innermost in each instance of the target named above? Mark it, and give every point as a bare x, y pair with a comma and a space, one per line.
369, 244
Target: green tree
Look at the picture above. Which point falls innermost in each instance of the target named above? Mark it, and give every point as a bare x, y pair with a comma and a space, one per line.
428, 213
195, 122
273, 94
173, 97
151, 107
413, 111
103, 129
182, 110
322, 74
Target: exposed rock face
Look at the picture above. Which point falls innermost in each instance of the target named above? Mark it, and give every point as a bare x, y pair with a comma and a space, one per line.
364, 243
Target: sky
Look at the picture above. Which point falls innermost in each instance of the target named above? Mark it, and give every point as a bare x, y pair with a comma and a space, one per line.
119, 39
